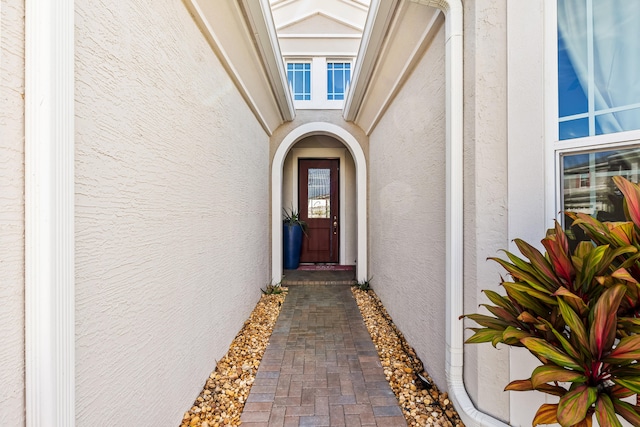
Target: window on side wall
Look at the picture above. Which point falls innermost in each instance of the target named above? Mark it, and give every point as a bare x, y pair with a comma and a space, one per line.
299, 76
338, 78
598, 103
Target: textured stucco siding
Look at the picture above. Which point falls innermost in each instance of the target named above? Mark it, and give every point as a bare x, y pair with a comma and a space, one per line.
172, 210
486, 370
407, 209
12, 213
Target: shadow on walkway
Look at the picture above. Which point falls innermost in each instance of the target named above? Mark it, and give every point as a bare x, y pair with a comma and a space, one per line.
321, 367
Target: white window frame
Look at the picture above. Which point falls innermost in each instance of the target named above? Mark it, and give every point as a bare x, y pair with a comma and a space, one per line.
319, 99
326, 69
555, 148
311, 77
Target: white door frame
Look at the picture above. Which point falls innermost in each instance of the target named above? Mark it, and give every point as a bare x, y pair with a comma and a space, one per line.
302, 131
321, 153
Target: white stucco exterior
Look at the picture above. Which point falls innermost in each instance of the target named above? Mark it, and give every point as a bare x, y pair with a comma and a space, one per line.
171, 228
407, 209
182, 151
12, 403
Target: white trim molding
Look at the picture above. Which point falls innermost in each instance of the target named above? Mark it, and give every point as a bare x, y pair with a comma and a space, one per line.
308, 129
49, 214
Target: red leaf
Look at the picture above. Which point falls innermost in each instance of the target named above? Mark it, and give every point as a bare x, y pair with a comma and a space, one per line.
549, 373
623, 274
573, 406
546, 415
603, 328
631, 196
519, 385
605, 412
542, 348
627, 350
629, 412
559, 258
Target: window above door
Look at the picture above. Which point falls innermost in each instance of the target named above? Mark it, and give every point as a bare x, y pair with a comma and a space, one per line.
319, 82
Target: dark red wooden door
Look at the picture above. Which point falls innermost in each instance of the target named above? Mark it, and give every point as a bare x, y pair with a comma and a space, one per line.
318, 198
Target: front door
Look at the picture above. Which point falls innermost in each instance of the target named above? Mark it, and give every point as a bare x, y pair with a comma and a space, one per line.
318, 192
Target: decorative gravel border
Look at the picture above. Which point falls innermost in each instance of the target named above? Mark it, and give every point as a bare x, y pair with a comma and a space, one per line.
422, 403
222, 400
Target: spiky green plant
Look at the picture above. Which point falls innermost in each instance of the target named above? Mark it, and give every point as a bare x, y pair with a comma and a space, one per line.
364, 285
578, 312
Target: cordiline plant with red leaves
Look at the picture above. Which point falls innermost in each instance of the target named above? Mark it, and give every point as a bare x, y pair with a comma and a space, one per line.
578, 312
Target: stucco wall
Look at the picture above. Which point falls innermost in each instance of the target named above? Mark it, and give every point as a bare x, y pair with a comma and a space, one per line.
485, 190
12, 213
172, 203
407, 209
527, 210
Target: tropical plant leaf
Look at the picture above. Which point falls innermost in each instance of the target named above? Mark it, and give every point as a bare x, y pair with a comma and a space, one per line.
483, 335
632, 383
603, 328
501, 313
519, 385
574, 322
623, 274
488, 321
554, 390
591, 264
527, 317
522, 271
631, 198
621, 232
573, 406
514, 333
629, 412
606, 413
520, 295
550, 373
499, 300
547, 414
620, 392
597, 231
539, 263
542, 348
559, 257
627, 350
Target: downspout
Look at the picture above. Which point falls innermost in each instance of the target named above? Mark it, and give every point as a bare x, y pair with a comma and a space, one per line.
454, 362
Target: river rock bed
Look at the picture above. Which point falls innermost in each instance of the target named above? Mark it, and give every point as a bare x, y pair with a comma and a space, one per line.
422, 404
222, 399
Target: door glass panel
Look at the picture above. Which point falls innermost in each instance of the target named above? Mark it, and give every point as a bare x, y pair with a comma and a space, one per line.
319, 192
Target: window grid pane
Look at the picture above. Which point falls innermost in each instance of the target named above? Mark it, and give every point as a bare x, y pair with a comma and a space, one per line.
338, 77
299, 76
598, 44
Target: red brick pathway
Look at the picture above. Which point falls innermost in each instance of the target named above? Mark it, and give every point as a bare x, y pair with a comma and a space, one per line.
321, 367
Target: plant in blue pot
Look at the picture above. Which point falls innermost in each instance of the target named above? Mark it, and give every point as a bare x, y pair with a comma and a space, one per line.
292, 230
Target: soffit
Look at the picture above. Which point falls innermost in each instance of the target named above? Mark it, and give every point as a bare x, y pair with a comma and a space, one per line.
347, 12
243, 37
396, 36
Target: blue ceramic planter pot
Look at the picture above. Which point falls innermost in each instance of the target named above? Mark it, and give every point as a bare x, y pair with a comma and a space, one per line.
291, 245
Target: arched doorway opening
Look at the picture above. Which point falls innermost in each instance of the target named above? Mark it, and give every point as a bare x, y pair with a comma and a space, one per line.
278, 202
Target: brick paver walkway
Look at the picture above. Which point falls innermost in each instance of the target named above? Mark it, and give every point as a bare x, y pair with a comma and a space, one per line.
321, 367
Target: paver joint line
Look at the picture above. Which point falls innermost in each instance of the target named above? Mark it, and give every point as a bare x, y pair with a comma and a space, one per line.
322, 366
